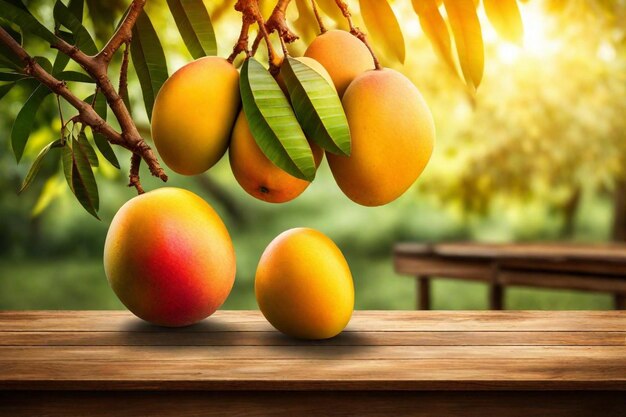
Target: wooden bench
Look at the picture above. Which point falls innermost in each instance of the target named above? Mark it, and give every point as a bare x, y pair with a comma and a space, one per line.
599, 268
401, 363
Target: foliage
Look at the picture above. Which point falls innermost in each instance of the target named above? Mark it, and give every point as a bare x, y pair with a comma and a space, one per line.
316, 110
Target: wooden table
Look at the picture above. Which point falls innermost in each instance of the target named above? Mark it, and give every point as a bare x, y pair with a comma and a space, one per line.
394, 363
600, 268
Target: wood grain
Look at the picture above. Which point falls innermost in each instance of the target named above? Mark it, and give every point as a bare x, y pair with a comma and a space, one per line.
241, 321
508, 363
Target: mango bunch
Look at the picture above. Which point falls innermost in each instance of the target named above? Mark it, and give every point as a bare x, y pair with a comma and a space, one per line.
197, 116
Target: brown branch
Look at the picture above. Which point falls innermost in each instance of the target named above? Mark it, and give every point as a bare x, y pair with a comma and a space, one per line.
124, 33
123, 85
129, 138
320, 22
97, 67
277, 22
242, 42
343, 6
134, 181
251, 13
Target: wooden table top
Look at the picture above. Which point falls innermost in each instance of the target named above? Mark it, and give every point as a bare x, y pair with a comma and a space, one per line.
380, 350
526, 251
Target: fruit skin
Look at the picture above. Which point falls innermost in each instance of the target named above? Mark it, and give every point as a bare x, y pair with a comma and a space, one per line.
392, 133
303, 285
169, 258
194, 113
256, 174
343, 55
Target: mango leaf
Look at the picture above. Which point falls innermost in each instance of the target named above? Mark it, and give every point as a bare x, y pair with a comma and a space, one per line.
195, 27
11, 76
101, 142
75, 76
4, 89
506, 19
61, 60
148, 59
80, 177
67, 18
305, 25
44, 62
435, 28
51, 189
77, 8
25, 21
25, 120
383, 26
87, 149
329, 7
467, 38
317, 107
273, 123
34, 169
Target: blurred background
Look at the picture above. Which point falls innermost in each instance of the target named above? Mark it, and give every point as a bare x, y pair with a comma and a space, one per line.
538, 154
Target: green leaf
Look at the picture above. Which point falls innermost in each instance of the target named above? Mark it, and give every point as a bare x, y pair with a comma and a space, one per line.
273, 123
67, 18
148, 59
34, 169
383, 27
25, 120
61, 60
75, 76
436, 30
25, 21
506, 19
101, 142
195, 27
468, 39
317, 107
4, 89
11, 76
44, 63
87, 149
80, 177
51, 189
77, 8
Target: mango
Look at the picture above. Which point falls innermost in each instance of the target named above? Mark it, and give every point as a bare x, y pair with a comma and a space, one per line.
303, 285
393, 136
343, 55
169, 258
194, 113
256, 174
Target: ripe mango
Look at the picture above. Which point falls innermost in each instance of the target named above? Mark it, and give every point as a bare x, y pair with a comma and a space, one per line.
343, 55
194, 113
392, 133
303, 285
256, 173
169, 258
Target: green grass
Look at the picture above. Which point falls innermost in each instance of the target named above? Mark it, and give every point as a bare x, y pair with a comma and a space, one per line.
81, 284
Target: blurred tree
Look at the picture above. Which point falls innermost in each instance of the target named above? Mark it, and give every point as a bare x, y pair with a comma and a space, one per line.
549, 120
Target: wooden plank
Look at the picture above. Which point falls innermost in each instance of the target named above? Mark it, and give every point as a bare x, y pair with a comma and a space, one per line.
262, 353
497, 338
440, 267
237, 321
312, 374
529, 251
289, 404
561, 280
274, 338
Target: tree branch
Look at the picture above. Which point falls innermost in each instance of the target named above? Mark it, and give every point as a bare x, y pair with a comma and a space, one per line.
124, 33
129, 138
134, 181
277, 22
343, 6
320, 22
